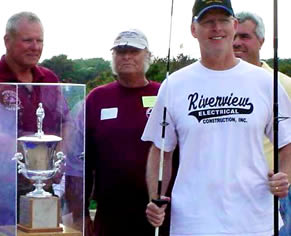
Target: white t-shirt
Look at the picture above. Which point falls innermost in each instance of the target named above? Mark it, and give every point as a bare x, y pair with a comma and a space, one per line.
219, 119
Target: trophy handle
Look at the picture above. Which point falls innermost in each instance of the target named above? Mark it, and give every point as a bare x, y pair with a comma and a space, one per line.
60, 160
21, 166
82, 156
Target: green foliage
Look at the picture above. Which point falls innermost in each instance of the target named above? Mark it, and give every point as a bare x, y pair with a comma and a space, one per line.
79, 71
104, 78
61, 65
158, 69
181, 61
284, 65
87, 70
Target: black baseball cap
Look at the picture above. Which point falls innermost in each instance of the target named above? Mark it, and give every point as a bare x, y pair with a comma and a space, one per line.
202, 6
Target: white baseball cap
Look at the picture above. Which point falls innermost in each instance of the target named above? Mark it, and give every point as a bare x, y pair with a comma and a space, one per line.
133, 38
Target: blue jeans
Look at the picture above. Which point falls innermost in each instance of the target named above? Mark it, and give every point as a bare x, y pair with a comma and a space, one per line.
285, 211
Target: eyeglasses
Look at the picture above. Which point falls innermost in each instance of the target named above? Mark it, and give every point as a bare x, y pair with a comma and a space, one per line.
210, 23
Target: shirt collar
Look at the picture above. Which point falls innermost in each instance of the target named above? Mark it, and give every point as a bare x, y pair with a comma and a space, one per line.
38, 75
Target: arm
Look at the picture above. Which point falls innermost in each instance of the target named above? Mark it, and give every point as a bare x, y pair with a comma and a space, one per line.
279, 182
154, 213
285, 160
152, 171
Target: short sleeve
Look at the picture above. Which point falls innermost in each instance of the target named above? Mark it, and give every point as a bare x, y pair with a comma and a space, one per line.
153, 128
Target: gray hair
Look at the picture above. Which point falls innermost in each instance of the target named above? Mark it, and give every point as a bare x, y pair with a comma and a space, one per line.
257, 20
12, 23
147, 62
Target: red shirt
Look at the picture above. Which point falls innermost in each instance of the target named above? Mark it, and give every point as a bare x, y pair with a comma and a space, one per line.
40, 74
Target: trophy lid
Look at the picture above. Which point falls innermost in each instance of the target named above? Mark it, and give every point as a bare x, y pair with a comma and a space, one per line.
40, 139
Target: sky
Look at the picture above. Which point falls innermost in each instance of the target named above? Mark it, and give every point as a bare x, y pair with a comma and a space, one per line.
87, 28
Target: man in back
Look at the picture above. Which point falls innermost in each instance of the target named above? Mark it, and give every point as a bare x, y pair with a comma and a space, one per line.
248, 41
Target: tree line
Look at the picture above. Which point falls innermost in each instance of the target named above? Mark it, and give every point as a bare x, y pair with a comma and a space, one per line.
97, 71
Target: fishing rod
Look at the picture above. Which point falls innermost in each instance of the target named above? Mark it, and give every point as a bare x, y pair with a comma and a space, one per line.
276, 118
159, 202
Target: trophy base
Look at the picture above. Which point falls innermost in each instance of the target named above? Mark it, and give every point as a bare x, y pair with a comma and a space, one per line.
39, 214
39, 194
67, 231
40, 230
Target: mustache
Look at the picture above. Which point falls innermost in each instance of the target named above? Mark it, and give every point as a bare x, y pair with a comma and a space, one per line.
236, 46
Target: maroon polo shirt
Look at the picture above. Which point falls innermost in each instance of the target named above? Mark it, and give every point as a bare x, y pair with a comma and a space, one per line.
40, 74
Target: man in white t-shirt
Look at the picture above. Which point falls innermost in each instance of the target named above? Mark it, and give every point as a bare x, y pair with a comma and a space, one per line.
218, 111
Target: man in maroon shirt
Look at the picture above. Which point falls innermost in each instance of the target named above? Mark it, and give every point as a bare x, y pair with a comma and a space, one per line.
116, 115
24, 43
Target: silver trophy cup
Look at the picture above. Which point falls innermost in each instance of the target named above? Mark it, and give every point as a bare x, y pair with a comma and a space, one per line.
39, 161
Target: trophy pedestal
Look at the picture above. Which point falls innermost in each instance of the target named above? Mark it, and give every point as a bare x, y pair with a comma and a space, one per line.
39, 214
67, 231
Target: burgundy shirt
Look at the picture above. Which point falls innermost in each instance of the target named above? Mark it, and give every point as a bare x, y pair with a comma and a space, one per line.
40, 74
116, 119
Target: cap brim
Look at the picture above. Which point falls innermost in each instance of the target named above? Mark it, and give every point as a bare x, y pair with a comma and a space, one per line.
230, 12
129, 44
